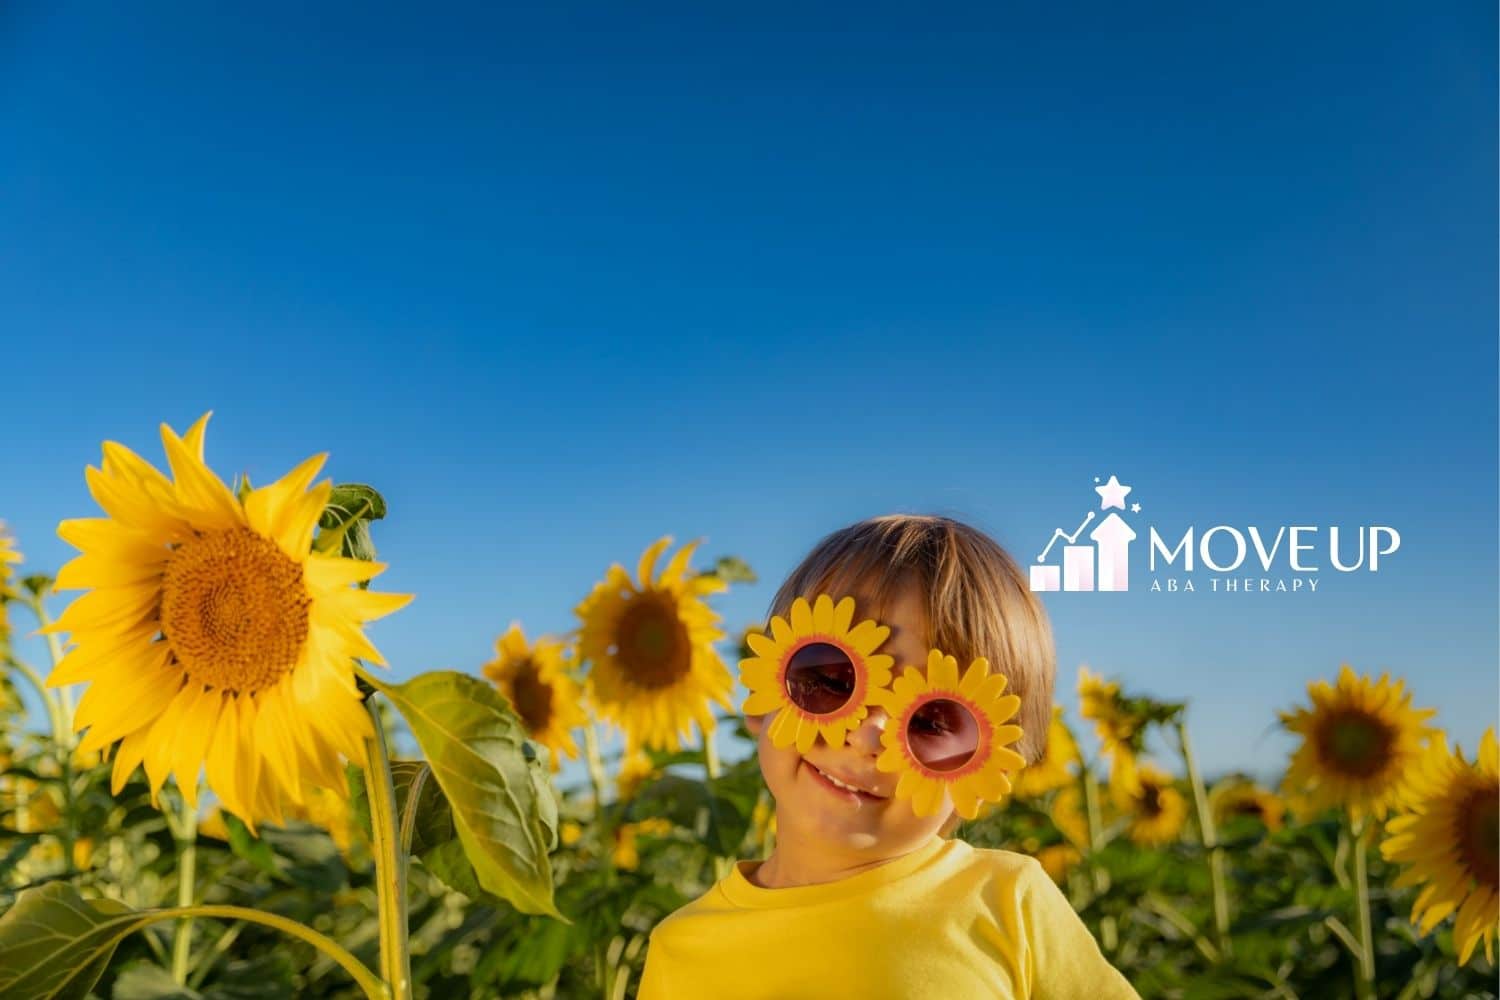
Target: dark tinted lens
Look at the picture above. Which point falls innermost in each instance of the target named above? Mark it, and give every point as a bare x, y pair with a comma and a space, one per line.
943, 734
820, 678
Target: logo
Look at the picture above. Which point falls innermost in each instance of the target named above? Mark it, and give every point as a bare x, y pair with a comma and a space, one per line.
1290, 556
1111, 541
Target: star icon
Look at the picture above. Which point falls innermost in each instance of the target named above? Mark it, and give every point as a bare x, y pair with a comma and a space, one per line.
1135, 508
1112, 494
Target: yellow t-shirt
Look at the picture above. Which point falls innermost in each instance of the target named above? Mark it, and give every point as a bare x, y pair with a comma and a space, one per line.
947, 921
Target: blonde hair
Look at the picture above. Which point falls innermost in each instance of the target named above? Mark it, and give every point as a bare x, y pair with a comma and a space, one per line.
978, 601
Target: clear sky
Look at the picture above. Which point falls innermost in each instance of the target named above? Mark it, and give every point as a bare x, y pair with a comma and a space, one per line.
560, 282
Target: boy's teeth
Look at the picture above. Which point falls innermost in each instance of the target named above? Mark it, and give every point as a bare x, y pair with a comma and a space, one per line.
838, 782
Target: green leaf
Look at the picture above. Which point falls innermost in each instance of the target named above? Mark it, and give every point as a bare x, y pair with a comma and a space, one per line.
345, 522
498, 792
148, 981
54, 944
732, 569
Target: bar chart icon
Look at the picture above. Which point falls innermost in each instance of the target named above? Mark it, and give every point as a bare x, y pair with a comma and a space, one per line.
1104, 565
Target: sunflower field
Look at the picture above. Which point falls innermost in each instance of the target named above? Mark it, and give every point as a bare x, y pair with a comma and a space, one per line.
329, 831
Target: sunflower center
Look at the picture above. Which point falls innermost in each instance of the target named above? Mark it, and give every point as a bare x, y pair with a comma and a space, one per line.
1478, 832
653, 643
1150, 800
533, 697
234, 609
1356, 744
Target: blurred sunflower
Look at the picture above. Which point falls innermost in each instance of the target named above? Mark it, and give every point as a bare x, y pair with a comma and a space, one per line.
1233, 798
818, 626
1155, 811
650, 643
1100, 702
212, 636
635, 770
983, 777
626, 853
1057, 860
1070, 816
1055, 769
1450, 842
1360, 742
10, 557
535, 680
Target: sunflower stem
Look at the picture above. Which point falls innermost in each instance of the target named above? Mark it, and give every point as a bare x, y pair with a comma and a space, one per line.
54, 649
49, 700
711, 766
186, 834
1365, 983
1210, 837
596, 780
1097, 877
63, 727
390, 860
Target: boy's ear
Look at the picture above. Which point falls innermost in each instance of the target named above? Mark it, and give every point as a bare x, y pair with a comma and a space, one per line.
755, 723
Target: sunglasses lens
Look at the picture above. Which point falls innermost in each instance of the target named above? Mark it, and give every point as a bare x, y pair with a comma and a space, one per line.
820, 678
943, 735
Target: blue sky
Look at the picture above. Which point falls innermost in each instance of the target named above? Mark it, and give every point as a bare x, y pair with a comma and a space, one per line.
558, 283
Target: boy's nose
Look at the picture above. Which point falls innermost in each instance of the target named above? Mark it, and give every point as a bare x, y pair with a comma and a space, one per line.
866, 736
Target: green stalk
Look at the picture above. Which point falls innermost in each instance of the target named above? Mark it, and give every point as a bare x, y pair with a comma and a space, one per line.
1210, 836
1365, 983
711, 765
54, 710
390, 861
187, 869
604, 845
62, 727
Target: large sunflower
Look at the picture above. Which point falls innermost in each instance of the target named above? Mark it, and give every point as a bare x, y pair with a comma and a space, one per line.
821, 623
1451, 842
650, 644
983, 777
1154, 810
211, 635
1055, 769
1360, 740
536, 682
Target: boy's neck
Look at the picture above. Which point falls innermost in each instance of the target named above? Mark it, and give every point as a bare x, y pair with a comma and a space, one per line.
792, 864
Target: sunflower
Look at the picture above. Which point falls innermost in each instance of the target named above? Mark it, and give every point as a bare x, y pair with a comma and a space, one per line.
1234, 798
1054, 770
535, 680
1057, 860
821, 623
651, 646
635, 770
1069, 816
10, 557
212, 637
1101, 703
1360, 742
1451, 841
983, 776
625, 853
1155, 811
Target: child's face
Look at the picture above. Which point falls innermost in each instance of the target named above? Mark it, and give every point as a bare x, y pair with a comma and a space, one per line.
815, 813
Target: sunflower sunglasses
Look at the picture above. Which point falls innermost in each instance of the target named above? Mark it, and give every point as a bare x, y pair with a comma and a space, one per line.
820, 673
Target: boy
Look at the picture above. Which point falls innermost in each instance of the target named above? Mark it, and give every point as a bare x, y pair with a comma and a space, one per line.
862, 897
